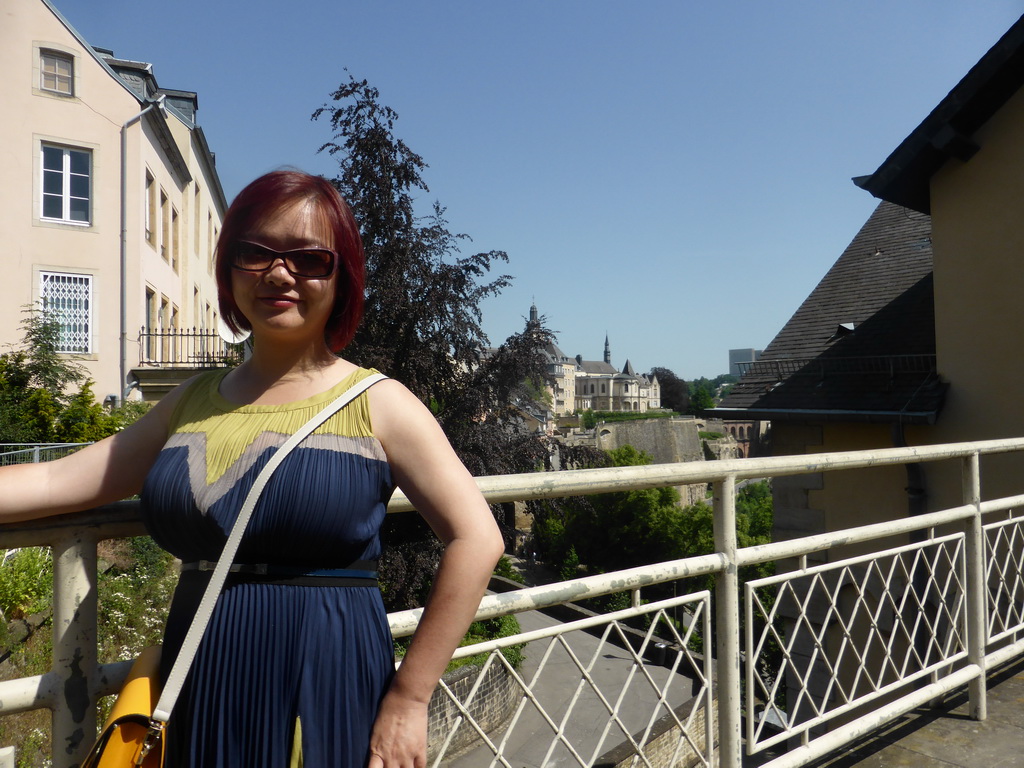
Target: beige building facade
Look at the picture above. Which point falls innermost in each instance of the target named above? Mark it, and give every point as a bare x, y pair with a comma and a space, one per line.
110, 203
582, 385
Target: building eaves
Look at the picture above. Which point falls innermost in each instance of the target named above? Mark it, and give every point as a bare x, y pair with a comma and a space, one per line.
209, 161
948, 131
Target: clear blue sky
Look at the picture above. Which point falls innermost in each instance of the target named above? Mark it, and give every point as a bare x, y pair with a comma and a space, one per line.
674, 173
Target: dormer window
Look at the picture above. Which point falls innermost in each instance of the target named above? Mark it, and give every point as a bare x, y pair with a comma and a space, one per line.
56, 73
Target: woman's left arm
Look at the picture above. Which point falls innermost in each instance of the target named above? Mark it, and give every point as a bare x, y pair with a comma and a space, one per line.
445, 494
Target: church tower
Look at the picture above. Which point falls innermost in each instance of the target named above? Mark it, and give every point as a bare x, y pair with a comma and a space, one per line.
607, 350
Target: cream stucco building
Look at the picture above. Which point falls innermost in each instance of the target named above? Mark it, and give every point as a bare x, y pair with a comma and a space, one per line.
581, 385
110, 203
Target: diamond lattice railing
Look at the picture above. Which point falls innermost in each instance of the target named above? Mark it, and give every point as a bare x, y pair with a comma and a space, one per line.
1004, 577
592, 687
838, 636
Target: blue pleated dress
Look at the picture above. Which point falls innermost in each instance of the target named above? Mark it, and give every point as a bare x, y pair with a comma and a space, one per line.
283, 669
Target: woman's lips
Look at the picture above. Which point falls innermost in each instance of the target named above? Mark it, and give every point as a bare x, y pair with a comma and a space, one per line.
279, 301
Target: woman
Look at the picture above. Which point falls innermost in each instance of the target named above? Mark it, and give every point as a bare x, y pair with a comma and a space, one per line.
292, 666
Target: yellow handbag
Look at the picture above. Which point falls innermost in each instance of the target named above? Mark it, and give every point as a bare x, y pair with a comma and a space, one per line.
131, 737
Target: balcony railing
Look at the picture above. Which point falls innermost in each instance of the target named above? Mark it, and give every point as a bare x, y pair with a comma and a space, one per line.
861, 640
186, 348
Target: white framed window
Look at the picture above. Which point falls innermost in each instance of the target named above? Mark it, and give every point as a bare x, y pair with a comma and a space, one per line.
68, 298
67, 184
56, 72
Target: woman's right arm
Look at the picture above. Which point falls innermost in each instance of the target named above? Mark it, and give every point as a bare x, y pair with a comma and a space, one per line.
106, 471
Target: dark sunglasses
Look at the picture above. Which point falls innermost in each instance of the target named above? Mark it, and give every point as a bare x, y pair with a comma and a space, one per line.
301, 262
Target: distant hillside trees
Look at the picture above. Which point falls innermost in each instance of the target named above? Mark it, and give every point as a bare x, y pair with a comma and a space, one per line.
707, 393
701, 397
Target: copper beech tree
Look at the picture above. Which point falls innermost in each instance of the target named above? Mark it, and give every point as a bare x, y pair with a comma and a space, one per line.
422, 320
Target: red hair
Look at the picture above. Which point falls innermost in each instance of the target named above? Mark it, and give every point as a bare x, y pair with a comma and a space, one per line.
275, 191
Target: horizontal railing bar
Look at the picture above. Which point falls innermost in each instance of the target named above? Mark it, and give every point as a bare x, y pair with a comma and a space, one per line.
1005, 654
562, 628
403, 623
27, 693
112, 521
861, 701
582, 482
778, 550
852, 561
845, 734
1003, 523
1002, 504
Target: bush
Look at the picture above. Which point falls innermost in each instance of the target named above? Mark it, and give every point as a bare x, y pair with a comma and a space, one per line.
491, 629
26, 582
506, 570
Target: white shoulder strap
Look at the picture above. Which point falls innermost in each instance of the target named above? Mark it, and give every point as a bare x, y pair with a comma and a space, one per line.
176, 679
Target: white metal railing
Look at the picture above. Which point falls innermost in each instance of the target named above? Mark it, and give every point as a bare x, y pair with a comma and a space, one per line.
33, 453
892, 629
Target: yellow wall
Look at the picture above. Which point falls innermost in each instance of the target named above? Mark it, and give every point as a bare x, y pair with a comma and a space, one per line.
91, 119
978, 241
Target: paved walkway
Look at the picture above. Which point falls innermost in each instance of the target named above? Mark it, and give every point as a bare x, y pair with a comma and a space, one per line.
947, 737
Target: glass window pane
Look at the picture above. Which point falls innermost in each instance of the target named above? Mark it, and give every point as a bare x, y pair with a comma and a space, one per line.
80, 186
53, 158
52, 208
63, 67
49, 82
52, 183
79, 209
79, 162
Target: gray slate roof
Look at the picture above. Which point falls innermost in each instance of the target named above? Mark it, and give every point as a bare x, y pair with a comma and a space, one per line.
862, 345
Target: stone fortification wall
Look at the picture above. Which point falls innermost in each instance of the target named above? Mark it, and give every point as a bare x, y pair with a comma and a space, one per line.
666, 440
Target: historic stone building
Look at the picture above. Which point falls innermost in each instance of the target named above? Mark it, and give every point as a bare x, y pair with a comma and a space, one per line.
580, 385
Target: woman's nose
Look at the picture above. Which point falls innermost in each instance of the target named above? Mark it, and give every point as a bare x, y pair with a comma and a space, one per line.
278, 273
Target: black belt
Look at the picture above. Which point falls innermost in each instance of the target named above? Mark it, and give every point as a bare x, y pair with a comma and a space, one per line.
361, 573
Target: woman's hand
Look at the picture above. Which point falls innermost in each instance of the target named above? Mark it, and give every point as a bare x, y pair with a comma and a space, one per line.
399, 737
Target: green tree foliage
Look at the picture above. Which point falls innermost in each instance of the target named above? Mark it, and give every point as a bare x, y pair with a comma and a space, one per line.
610, 531
45, 397
623, 530
675, 392
701, 397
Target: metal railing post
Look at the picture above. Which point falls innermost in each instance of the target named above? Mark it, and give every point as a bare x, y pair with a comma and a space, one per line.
727, 615
974, 542
74, 646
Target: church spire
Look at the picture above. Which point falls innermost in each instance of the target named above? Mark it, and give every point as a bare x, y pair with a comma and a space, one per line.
533, 312
607, 350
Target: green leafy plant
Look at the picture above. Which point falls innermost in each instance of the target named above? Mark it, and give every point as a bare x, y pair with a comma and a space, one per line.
506, 570
26, 582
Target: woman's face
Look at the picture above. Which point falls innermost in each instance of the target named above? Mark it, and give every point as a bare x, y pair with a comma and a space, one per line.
275, 301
